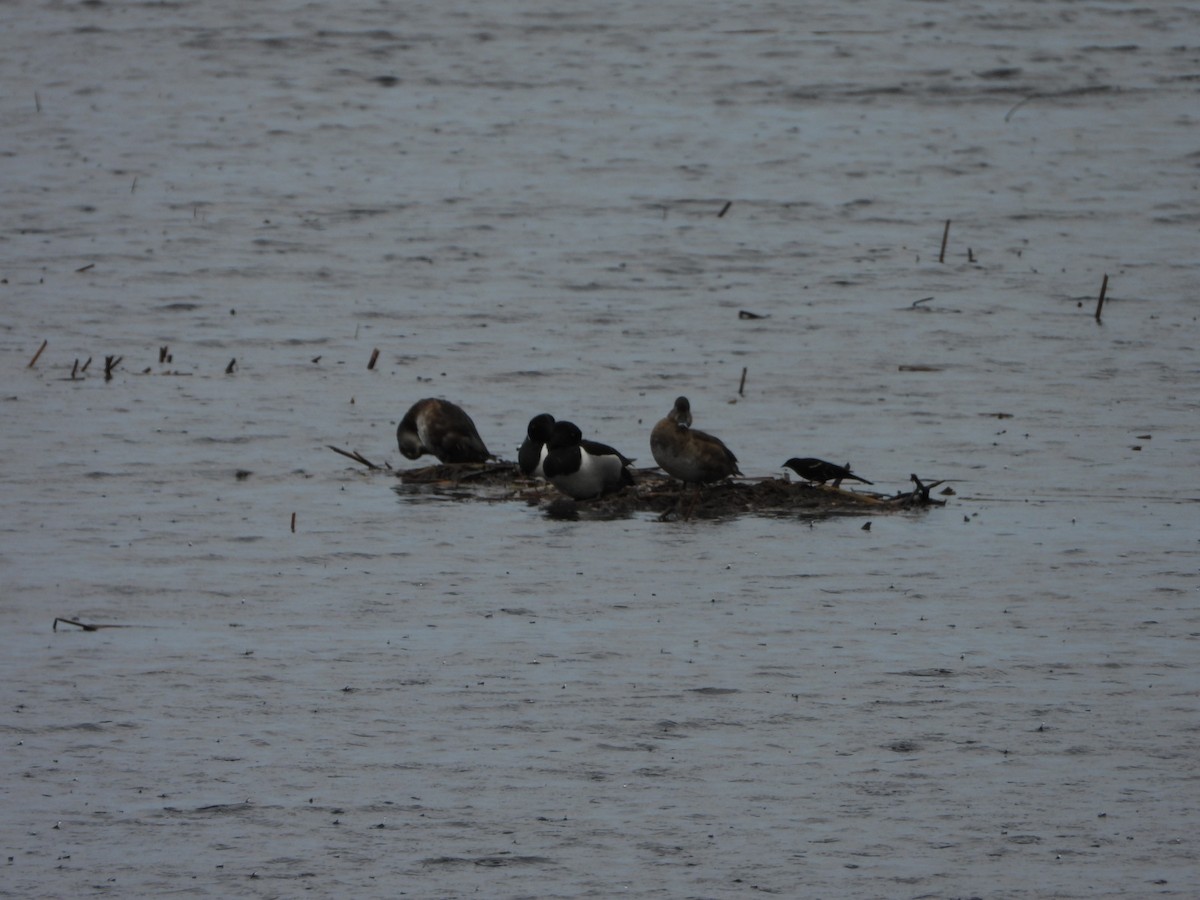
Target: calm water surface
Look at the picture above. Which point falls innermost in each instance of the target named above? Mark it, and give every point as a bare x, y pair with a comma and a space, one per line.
521, 209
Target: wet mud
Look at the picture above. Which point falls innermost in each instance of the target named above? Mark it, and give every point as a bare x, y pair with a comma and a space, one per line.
655, 493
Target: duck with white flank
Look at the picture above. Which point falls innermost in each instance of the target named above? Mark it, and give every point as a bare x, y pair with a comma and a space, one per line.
535, 446
443, 429
584, 469
689, 455
819, 471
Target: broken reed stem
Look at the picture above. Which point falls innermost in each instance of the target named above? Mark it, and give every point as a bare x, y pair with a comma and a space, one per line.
110, 363
1008, 115
75, 369
74, 622
232, 365
374, 358
945, 237
1103, 291
724, 209
742, 384
293, 523
33, 362
84, 625
354, 455
37, 101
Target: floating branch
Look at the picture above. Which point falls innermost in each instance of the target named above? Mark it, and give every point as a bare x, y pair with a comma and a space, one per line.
33, 362
84, 625
1103, 291
1069, 92
1008, 115
74, 622
922, 491
86, 268
374, 358
354, 455
945, 237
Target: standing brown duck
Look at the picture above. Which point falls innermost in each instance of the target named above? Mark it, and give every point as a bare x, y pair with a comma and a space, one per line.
443, 429
689, 455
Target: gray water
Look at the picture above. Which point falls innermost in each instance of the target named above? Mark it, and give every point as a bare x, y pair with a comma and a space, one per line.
520, 207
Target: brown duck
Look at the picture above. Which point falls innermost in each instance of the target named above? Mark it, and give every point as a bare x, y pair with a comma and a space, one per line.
689, 455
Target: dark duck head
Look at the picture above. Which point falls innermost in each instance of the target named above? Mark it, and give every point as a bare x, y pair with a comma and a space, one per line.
535, 446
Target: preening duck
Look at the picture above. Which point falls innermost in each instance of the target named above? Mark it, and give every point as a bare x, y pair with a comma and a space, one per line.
443, 429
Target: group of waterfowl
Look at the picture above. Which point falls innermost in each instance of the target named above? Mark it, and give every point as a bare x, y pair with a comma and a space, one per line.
584, 469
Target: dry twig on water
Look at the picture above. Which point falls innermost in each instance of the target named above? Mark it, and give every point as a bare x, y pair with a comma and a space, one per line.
1103, 291
84, 625
354, 455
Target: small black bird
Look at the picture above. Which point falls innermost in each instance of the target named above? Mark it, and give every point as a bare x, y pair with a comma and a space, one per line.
819, 471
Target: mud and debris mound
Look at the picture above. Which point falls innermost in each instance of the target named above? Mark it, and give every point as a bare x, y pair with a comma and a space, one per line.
656, 494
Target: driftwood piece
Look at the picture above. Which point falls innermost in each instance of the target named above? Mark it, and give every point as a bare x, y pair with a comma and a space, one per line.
354, 455
84, 625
